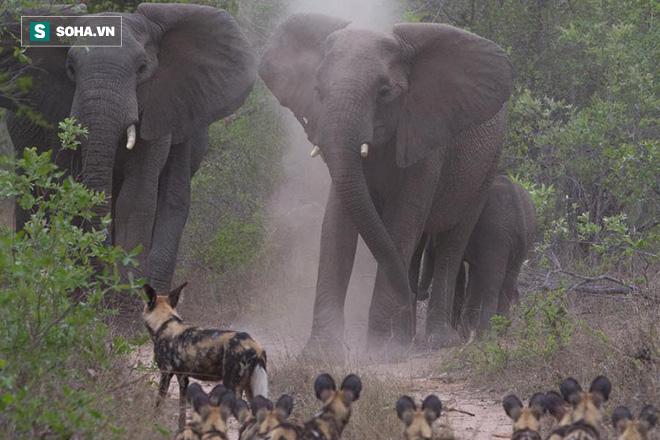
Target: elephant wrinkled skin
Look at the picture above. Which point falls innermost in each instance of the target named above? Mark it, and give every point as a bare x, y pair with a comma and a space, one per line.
428, 100
180, 68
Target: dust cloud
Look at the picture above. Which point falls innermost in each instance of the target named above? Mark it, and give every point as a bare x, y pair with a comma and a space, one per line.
297, 210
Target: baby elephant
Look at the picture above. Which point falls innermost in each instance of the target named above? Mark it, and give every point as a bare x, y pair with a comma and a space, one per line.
630, 429
418, 424
495, 253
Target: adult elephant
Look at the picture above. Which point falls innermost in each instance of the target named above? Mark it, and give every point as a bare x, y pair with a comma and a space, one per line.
147, 106
411, 125
495, 253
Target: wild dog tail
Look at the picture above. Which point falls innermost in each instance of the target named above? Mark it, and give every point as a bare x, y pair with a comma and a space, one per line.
259, 378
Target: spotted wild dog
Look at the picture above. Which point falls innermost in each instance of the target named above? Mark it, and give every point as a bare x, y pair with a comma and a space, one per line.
629, 428
329, 423
561, 411
526, 420
583, 419
418, 424
209, 413
206, 354
263, 416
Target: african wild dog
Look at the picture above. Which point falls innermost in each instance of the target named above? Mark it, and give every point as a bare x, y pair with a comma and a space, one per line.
526, 421
205, 354
561, 411
583, 419
418, 424
264, 416
330, 422
209, 413
630, 429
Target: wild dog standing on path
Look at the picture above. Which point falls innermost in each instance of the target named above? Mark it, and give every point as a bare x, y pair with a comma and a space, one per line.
583, 419
263, 418
330, 422
205, 354
209, 413
629, 428
418, 424
526, 421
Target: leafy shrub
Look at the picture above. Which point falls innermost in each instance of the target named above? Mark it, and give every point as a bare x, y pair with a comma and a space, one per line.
538, 328
51, 302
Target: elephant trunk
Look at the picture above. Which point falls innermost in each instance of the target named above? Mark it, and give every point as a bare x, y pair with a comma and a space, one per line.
343, 150
100, 105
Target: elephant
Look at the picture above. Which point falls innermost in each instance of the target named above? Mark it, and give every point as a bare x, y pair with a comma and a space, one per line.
147, 106
497, 248
411, 125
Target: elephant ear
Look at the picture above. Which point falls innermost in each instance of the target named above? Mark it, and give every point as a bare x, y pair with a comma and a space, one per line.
288, 65
40, 82
206, 69
457, 80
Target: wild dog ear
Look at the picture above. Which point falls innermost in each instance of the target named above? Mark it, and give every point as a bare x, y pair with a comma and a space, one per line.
351, 388
405, 409
215, 396
512, 406
241, 411
620, 418
570, 389
648, 418
537, 405
198, 398
151, 296
432, 408
600, 389
283, 407
260, 405
555, 404
227, 404
173, 297
324, 386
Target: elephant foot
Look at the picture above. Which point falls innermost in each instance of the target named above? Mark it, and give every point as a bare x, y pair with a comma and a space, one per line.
443, 337
328, 350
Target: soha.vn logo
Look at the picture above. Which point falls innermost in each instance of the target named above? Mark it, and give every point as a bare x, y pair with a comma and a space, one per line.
39, 31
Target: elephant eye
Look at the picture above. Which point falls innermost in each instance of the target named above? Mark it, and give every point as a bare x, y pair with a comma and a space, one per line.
71, 72
142, 68
383, 91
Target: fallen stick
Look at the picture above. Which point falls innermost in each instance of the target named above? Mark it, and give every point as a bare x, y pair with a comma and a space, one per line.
460, 411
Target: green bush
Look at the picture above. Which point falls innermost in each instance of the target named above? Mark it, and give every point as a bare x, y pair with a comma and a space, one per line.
538, 328
51, 302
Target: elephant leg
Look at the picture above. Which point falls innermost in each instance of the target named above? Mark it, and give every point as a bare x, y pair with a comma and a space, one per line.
459, 297
171, 216
483, 291
136, 202
392, 315
338, 246
450, 249
509, 293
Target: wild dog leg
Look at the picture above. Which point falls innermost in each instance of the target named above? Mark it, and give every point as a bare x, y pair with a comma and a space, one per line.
183, 386
165, 379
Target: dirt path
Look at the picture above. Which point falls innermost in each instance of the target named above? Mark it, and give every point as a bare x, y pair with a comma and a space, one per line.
467, 412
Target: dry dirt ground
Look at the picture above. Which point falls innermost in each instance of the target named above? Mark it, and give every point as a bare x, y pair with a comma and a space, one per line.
468, 413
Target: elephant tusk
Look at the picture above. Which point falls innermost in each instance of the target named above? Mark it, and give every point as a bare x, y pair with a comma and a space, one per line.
316, 151
364, 150
130, 134
305, 120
